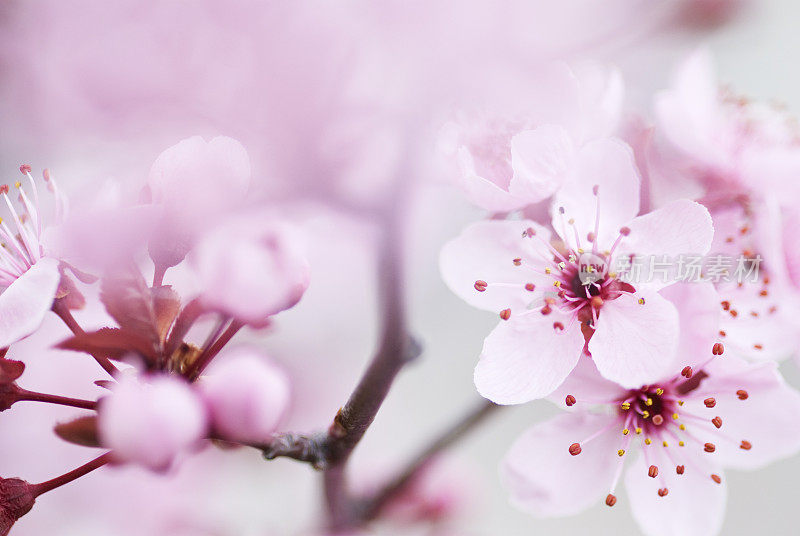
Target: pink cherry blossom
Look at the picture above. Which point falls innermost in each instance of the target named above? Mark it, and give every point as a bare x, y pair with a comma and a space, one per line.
29, 278
149, 421
246, 395
195, 182
561, 299
687, 427
251, 267
507, 164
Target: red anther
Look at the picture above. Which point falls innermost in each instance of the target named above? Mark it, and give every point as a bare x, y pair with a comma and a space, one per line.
710, 402
746, 445
758, 346
517, 261
505, 314
726, 305
590, 237
529, 232
558, 325
773, 309
480, 285
742, 394
25, 169
4, 189
663, 492
595, 189
718, 349
546, 310
709, 447
658, 420
570, 400
46, 175
744, 229
610, 500
722, 333
734, 313
763, 293
530, 287
716, 479
686, 372
596, 302
717, 421
575, 449
652, 472
680, 469
625, 231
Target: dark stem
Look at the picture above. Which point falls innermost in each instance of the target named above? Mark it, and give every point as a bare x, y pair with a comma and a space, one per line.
211, 352
373, 506
31, 396
66, 478
65, 315
158, 274
395, 349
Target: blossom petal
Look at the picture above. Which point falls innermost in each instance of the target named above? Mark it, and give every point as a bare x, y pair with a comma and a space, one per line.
544, 479
482, 191
769, 418
694, 504
608, 164
699, 319
25, 302
540, 159
587, 385
527, 357
485, 251
635, 343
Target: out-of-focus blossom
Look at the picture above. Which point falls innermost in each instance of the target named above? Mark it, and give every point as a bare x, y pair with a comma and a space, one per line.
195, 182
246, 395
29, 278
688, 427
149, 421
251, 267
561, 299
508, 164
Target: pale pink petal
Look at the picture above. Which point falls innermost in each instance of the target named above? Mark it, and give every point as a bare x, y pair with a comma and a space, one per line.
694, 504
485, 251
482, 191
634, 344
769, 418
790, 233
682, 227
587, 385
699, 317
601, 97
608, 164
540, 159
25, 302
773, 169
545, 480
246, 395
527, 357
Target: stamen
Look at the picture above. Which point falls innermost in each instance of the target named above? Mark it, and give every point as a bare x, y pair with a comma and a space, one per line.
717, 421
742, 394
663, 492
652, 472
746, 445
709, 447
716, 479
680, 469
480, 285
710, 402
570, 400
505, 314
718, 349
686, 372
611, 500
575, 449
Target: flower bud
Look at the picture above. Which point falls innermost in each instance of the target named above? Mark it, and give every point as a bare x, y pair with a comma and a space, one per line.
16, 500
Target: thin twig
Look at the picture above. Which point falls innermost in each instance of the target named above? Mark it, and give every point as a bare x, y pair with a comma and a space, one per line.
65, 315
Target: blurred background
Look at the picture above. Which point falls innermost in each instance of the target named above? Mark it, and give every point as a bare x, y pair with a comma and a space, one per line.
330, 99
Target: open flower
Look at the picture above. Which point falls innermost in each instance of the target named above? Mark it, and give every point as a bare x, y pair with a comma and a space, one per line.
251, 267
149, 421
559, 299
687, 427
29, 279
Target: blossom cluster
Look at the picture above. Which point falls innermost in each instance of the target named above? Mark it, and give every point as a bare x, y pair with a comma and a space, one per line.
653, 317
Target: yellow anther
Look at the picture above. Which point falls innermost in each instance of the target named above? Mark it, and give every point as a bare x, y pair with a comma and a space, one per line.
649, 402
665, 444
612, 275
645, 414
17, 184
548, 270
641, 301
680, 402
621, 452
647, 441
557, 284
682, 427
562, 265
580, 251
681, 444
675, 416
571, 221
626, 405
659, 391
638, 430
625, 431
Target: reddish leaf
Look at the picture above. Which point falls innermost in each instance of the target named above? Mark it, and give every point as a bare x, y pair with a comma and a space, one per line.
167, 305
112, 342
82, 431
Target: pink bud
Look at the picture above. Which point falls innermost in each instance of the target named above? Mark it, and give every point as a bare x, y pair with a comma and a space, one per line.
150, 420
246, 395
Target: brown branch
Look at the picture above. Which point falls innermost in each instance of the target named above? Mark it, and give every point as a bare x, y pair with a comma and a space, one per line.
371, 508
